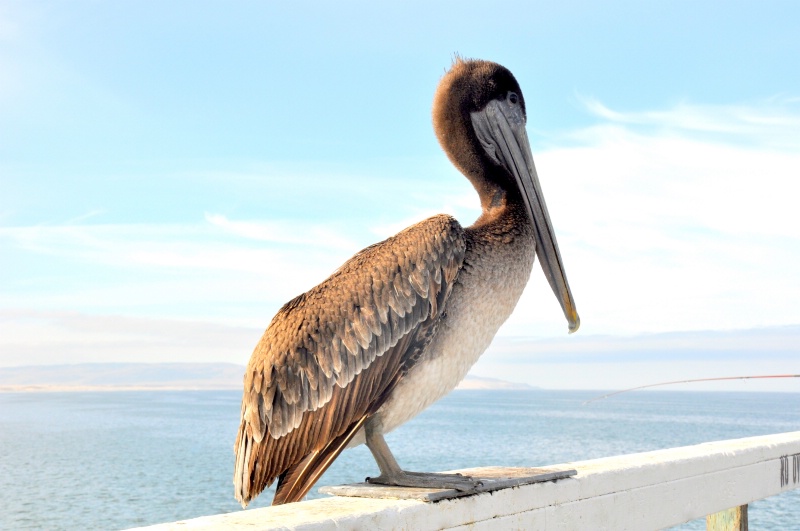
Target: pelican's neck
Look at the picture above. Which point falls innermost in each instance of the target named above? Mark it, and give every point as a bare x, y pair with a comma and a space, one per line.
502, 209
502, 228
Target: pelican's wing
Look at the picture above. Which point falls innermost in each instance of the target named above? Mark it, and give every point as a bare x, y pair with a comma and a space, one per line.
330, 355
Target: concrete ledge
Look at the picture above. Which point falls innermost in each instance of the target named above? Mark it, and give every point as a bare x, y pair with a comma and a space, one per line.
649, 490
491, 478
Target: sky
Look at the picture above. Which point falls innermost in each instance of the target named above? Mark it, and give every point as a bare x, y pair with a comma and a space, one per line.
172, 172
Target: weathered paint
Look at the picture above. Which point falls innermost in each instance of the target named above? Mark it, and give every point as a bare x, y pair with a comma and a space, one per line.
490, 478
733, 519
650, 490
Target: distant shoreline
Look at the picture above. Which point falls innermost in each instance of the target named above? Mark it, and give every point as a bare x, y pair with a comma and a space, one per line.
108, 377
46, 388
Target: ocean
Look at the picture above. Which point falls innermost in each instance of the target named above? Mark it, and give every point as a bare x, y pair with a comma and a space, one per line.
115, 460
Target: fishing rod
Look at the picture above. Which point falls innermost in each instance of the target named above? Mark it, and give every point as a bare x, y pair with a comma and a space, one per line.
691, 381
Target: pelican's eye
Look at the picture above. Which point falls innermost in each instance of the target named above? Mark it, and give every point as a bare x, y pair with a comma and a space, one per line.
513, 98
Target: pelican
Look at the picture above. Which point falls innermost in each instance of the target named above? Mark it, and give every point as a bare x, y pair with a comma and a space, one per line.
399, 324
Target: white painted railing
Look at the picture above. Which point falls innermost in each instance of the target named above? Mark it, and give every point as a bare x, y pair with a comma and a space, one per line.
650, 490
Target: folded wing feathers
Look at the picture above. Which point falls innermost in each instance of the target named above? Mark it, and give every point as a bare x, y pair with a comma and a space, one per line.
327, 336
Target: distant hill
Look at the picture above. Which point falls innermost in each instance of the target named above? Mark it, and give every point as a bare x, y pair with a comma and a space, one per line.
478, 382
155, 376
121, 376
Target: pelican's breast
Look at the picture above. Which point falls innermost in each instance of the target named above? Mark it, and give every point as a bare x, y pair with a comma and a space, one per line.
491, 282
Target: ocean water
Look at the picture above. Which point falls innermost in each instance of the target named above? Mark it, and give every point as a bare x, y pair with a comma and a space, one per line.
114, 460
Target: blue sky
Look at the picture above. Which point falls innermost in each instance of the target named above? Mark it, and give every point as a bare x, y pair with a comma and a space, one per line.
171, 173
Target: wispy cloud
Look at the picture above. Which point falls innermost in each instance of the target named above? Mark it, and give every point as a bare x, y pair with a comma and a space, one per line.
198, 246
280, 231
83, 217
774, 122
621, 362
755, 344
662, 230
29, 337
193, 271
659, 231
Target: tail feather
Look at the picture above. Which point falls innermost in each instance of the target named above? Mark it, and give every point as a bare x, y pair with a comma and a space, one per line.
295, 483
250, 479
245, 489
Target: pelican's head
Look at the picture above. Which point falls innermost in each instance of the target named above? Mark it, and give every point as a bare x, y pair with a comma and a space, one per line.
479, 117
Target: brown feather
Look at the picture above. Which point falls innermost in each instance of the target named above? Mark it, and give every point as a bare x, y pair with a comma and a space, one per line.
295, 483
332, 355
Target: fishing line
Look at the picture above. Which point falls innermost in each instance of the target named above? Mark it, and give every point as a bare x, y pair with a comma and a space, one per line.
691, 381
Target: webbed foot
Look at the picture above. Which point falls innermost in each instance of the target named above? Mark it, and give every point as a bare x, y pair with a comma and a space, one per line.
427, 480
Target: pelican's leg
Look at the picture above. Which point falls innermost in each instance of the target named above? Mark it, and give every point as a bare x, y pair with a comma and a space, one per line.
392, 474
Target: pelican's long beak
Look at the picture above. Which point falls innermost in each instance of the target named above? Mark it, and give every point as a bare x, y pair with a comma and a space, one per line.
500, 127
